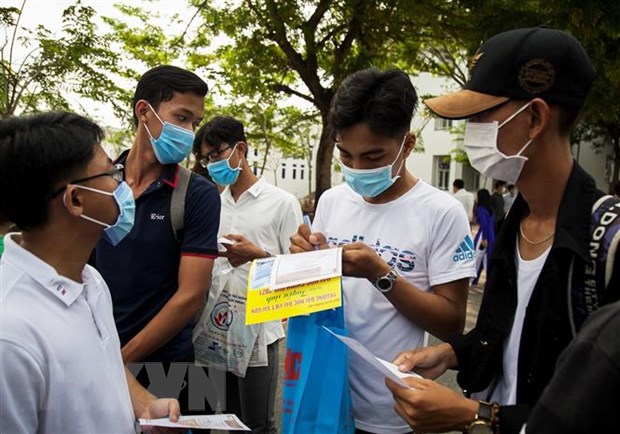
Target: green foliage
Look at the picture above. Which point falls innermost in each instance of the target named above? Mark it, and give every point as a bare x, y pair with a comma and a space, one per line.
303, 49
74, 61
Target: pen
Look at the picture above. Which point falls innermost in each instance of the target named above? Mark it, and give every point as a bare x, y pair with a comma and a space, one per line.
308, 223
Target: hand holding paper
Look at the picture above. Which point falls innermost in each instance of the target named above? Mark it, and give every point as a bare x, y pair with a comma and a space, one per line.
228, 422
386, 368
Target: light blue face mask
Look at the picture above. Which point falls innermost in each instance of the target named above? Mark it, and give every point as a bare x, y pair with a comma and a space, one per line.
222, 173
127, 209
372, 182
173, 144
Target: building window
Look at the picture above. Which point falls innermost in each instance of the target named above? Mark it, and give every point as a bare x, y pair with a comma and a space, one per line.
294, 171
256, 152
283, 170
301, 171
442, 124
442, 173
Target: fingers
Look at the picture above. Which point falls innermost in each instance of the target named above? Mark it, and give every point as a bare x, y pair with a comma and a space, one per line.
304, 241
405, 361
318, 239
235, 237
174, 410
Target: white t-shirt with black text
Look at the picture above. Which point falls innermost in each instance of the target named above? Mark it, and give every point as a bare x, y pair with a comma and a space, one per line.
425, 236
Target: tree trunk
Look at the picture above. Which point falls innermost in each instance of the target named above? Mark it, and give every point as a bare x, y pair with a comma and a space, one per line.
323, 166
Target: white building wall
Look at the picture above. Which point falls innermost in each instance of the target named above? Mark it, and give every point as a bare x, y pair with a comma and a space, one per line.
595, 162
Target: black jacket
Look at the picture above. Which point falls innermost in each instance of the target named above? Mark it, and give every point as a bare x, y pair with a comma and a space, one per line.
546, 328
584, 395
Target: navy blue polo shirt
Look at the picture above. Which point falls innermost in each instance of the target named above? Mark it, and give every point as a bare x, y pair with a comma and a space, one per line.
142, 270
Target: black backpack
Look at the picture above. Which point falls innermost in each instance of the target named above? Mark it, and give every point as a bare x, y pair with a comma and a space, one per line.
588, 291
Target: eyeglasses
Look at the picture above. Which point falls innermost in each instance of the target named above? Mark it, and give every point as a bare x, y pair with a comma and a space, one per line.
118, 174
214, 156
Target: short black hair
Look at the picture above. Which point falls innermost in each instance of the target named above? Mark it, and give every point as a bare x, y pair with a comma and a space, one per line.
37, 152
159, 84
458, 183
384, 100
217, 130
510, 187
499, 184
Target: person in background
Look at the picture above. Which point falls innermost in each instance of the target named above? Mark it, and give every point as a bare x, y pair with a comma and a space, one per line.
60, 362
485, 237
497, 203
509, 197
465, 197
259, 219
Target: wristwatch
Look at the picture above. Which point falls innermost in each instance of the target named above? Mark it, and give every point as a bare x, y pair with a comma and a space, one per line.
385, 283
484, 420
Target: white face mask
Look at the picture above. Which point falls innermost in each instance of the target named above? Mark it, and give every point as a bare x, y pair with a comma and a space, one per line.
480, 143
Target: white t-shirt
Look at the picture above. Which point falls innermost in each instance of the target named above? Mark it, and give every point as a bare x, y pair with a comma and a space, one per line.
424, 235
505, 392
267, 216
60, 362
467, 200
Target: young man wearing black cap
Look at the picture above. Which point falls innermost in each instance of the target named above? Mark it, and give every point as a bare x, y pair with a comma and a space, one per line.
525, 90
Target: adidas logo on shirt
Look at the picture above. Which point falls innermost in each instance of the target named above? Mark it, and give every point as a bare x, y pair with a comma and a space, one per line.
465, 250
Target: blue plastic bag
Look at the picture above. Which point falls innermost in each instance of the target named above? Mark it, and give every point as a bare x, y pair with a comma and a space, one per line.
317, 397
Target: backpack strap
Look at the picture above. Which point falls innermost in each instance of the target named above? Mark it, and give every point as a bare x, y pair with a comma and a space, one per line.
177, 202
590, 290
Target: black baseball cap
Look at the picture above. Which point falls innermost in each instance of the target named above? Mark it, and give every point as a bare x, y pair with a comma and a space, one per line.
521, 64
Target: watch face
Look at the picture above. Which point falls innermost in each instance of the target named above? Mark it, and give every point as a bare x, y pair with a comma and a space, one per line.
384, 283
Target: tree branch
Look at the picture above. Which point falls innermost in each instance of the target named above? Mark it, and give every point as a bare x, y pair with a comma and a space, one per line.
286, 89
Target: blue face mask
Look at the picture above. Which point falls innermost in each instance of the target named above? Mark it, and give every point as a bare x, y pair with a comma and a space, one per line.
173, 144
127, 209
371, 182
222, 173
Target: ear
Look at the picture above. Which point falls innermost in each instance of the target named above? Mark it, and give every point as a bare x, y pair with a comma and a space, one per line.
141, 109
540, 116
242, 147
409, 145
72, 201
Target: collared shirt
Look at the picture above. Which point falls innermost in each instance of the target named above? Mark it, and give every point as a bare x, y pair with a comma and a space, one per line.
60, 363
142, 270
267, 216
546, 327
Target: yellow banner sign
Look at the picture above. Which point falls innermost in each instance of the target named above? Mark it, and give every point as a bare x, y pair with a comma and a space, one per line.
268, 305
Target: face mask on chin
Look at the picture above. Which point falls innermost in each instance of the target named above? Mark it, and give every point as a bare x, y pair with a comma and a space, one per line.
480, 143
372, 182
